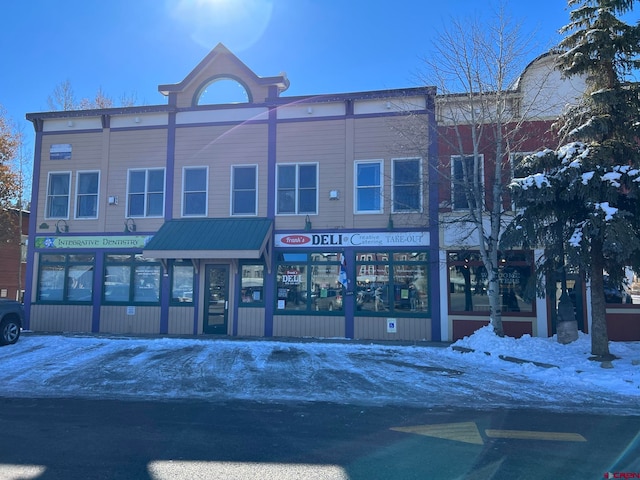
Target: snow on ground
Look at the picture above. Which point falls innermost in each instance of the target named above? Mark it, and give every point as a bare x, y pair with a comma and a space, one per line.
338, 371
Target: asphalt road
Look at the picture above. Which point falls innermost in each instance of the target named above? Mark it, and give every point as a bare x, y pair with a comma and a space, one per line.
97, 439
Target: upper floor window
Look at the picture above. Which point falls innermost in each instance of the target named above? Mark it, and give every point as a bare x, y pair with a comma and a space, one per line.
87, 194
194, 191
462, 180
244, 190
407, 185
58, 195
297, 188
146, 193
368, 187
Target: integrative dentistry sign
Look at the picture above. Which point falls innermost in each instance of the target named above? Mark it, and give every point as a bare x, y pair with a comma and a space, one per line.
364, 239
94, 241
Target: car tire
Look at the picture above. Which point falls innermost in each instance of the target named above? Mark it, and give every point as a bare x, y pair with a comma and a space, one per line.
9, 331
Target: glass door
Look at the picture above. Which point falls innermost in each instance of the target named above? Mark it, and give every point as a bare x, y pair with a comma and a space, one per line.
216, 299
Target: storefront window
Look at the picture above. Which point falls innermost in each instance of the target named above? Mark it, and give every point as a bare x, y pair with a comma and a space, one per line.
66, 278
131, 278
309, 282
252, 293
182, 283
468, 282
391, 282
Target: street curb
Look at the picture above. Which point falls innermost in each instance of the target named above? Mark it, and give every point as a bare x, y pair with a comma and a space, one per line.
506, 358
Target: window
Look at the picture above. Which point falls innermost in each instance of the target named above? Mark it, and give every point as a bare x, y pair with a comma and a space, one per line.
309, 282
87, 194
131, 278
297, 189
58, 195
65, 278
252, 293
244, 191
391, 282
146, 193
368, 187
182, 275
407, 185
462, 169
468, 282
194, 191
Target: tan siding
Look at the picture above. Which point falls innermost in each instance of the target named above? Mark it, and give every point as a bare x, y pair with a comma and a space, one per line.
308, 326
382, 139
181, 320
375, 328
86, 154
60, 318
114, 319
251, 322
323, 142
219, 148
132, 149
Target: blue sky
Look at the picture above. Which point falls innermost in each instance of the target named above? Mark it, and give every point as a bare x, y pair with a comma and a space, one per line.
129, 47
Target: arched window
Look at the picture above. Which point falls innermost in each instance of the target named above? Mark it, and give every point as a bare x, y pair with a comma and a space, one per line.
223, 90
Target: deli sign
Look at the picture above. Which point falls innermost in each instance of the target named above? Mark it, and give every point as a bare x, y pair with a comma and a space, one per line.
358, 239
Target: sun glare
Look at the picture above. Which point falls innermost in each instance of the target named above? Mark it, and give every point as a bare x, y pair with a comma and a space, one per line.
236, 23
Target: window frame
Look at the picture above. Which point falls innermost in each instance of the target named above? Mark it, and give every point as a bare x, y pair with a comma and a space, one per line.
234, 190
132, 261
146, 193
455, 185
185, 191
419, 183
80, 195
358, 188
51, 196
241, 268
312, 264
384, 263
65, 263
509, 259
297, 188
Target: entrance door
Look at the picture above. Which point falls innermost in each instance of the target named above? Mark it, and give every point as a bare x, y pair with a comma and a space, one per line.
216, 299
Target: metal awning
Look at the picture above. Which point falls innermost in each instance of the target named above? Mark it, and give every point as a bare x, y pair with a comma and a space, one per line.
208, 238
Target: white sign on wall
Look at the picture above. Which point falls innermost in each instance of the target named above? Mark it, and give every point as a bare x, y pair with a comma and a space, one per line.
358, 239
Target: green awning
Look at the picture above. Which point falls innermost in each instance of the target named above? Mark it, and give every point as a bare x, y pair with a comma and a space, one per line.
206, 238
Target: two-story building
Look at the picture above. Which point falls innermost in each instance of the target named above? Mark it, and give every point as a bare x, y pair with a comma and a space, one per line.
309, 216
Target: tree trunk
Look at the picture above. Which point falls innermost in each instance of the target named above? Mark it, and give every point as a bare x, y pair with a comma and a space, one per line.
599, 336
495, 312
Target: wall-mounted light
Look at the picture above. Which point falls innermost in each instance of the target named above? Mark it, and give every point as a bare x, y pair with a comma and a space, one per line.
62, 226
334, 195
309, 110
129, 225
69, 123
137, 119
43, 225
307, 223
388, 105
112, 200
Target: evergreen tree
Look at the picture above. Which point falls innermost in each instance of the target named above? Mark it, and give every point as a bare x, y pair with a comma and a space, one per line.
582, 201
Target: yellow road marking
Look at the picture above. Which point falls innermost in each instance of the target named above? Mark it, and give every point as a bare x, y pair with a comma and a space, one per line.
466, 432
531, 435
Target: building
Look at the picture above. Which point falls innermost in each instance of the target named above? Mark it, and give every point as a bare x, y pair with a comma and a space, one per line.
309, 216
13, 255
264, 215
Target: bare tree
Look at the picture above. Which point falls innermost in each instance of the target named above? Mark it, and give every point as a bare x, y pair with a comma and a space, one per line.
484, 122
62, 97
